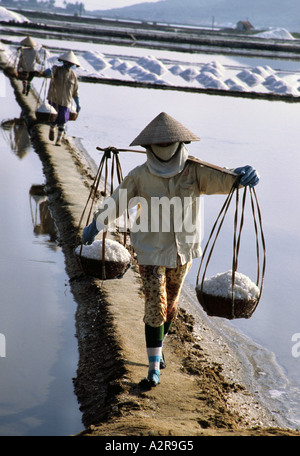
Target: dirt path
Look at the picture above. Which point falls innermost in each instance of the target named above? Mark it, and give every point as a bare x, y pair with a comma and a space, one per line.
200, 392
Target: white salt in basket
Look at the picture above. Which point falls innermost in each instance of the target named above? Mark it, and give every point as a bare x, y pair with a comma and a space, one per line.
219, 298
116, 261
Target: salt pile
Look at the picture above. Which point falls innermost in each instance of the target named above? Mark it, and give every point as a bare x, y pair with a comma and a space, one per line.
215, 68
11, 16
96, 59
221, 285
189, 74
46, 108
234, 84
124, 67
252, 79
264, 72
152, 64
114, 251
277, 33
210, 81
115, 63
176, 69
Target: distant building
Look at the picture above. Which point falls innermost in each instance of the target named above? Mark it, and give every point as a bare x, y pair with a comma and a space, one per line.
244, 26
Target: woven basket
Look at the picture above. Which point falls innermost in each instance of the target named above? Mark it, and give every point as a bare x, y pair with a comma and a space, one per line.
219, 306
73, 115
94, 268
10, 72
45, 116
23, 75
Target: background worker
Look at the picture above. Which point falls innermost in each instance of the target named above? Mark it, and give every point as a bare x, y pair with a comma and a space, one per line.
165, 256
29, 57
62, 91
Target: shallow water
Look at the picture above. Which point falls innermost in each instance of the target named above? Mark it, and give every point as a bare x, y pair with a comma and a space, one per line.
40, 355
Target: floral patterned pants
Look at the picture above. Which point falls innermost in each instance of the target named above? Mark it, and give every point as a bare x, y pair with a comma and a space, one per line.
162, 287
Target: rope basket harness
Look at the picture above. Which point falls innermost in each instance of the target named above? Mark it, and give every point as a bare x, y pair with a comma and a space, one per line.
224, 306
103, 268
45, 113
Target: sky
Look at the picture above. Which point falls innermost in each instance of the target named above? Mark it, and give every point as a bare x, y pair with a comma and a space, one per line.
105, 4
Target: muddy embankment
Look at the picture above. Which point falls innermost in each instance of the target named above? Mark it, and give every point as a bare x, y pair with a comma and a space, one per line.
200, 391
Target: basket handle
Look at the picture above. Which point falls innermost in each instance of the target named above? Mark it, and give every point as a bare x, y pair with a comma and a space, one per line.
223, 211
94, 190
237, 238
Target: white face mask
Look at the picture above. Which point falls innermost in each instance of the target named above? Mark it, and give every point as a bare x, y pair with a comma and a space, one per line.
165, 153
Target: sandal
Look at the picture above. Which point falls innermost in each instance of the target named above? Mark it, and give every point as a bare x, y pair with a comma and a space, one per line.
162, 363
152, 380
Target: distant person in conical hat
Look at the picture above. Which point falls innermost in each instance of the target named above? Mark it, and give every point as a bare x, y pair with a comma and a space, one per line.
63, 90
166, 232
28, 59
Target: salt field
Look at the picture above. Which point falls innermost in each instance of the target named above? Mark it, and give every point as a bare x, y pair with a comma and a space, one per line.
234, 132
175, 69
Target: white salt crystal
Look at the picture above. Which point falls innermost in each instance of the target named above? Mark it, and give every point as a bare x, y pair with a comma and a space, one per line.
114, 251
221, 285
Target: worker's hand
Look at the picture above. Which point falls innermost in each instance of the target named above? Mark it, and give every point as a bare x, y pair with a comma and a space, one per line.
248, 175
47, 73
89, 233
78, 107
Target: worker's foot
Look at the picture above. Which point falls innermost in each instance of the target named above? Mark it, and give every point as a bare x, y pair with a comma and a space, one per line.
162, 363
152, 380
51, 133
59, 137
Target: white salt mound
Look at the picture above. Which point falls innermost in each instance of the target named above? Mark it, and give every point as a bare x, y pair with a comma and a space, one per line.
46, 108
114, 251
221, 285
277, 33
10, 16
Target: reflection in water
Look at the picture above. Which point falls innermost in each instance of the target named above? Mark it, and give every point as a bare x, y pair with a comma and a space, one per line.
16, 134
36, 306
40, 214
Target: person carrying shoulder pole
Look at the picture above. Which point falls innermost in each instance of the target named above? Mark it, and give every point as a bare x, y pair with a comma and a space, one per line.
165, 255
62, 90
29, 57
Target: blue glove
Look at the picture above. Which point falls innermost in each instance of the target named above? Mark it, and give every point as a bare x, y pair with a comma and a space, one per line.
249, 176
89, 233
78, 107
47, 73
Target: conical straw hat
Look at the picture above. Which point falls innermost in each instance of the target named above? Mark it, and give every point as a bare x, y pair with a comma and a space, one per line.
69, 57
164, 129
28, 41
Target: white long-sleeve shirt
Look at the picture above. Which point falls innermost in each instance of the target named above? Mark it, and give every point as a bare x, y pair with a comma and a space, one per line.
167, 226
63, 86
